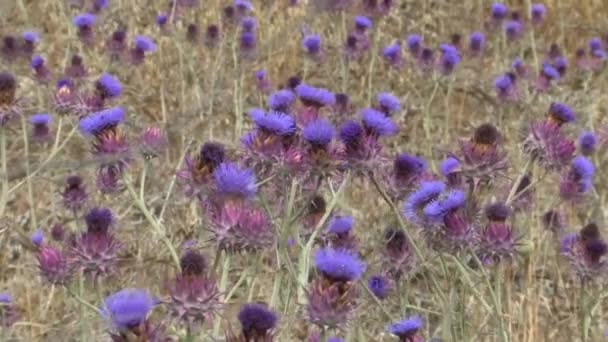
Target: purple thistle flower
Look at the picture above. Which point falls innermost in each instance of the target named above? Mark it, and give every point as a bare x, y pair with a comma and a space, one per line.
338, 265
248, 24
128, 308
537, 12
237, 227
351, 135
497, 212
392, 54
117, 43
314, 97
340, 224
499, 11
232, 181
387, 103
408, 168
37, 237
561, 65
585, 251
436, 210
560, 113
193, 263
513, 29
378, 284
99, 220
449, 166
312, 44
212, 35
84, 22
417, 200
587, 142
406, 329
8, 313
362, 23
108, 86
578, 180
273, 122
144, 43
257, 322
548, 145
449, 60
53, 265
57, 232
40, 126
74, 195
152, 142
414, 43
477, 42
247, 43
318, 133
547, 75
595, 43
377, 123
30, 38
505, 86
497, 241
37, 62
262, 81
96, 123
161, 19
334, 339
281, 100
99, 5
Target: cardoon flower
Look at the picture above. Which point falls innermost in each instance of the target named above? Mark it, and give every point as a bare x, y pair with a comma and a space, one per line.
408, 169
199, 169
398, 256
57, 232
8, 313
53, 265
276, 123
212, 35
578, 180
116, 44
40, 126
340, 224
10, 48
537, 12
377, 123
587, 142
378, 284
496, 240
561, 65
108, 87
257, 322
41, 71
248, 24
94, 251
192, 33
548, 74
332, 296
99, 122
477, 41
99, 5
392, 54
521, 70
546, 143
152, 142
449, 60
318, 134
37, 237
234, 182
414, 44
76, 69
247, 43
595, 43
314, 97
262, 81
141, 45
480, 153
387, 103
84, 22
127, 310
418, 199
585, 251
74, 195
407, 329
513, 29
499, 11
450, 169
339, 231
30, 38
193, 296
362, 23
312, 44
243, 7
506, 88
437, 210
560, 113
281, 100
161, 20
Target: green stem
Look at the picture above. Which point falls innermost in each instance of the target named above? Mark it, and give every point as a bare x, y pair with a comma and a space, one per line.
4, 198
495, 299
223, 284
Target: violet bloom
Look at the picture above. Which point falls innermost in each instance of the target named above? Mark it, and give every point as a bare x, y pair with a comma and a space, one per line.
387, 103
99, 5
314, 97
506, 88
418, 199
8, 313
41, 71
392, 54
513, 29
561, 65
450, 169
116, 44
595, 43
339, 230
499, 11
378, 285
8, 100
537, 13
161, 20
318, 133
587, 142
377, 123
141, 46
234, 182
477, 41
448, 62
548, 145
257, 322
108, 87
243, 7
548, 75
414, 44
343, 105
40, 126
247, 44
53, 265
248, 24
57, 232
30, 38
76, 69
521, 70
481, 153
312, 44
362, 24
96, 123
496, 240
281, 100
74, 194
407, 329
585, 251
37, 237
198, 171
152, 142
408, 169
332, 296
84, 22
262, 81
127, 310
578, 180
212, 35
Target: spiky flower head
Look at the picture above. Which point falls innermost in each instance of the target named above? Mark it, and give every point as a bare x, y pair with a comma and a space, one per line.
8, 313
312, 44
414, 43
387, 103
586, 251
547, 144
595, 43
340, 224
513, 29
198, 170
318, 133
128, 308
477, 42
537, 12
108, 86
560, 113
193, 263
497, 212
83, 20
377, 123
408, 168
392, 54
257, 321
379, 285
248, 24
99, 220
362, 23
40, 126
578, 180
53, 265
313, 96
144, 43
587, 142
30, 36
152, 142
437, 210
448, 62
417, 200
338, 265
499, 11
74, 194
234, 182
98, 122
281, 100
57, 232
406, 329
505, 86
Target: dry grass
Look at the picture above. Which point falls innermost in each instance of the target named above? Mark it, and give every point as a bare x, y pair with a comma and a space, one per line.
196, 94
